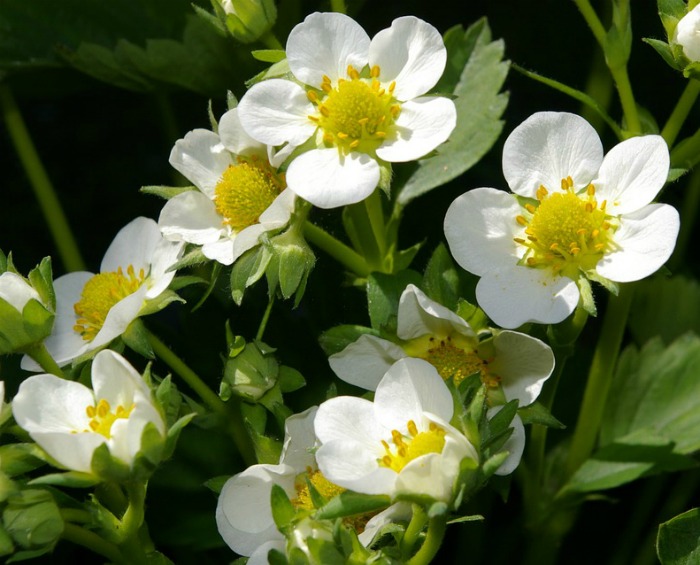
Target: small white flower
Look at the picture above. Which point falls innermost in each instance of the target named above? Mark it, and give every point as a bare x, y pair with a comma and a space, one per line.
70, 421
359, 101
400, 444
514, 363
93, 309
687, 34
241, 194
574, 216
243, 512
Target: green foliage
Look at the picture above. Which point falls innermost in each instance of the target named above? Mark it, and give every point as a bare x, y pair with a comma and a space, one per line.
678, 542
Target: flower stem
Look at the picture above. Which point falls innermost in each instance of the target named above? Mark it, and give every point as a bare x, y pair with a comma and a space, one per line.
433, 539
336, 249
629, 106
235, 424
265, 318
85, 538
680, 112
689, 211
271, 41
39, 179
41, 355
366, 220
592, 20
599, 378
338, 6
413, 530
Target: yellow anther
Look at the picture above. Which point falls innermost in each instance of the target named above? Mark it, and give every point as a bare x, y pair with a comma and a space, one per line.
412, 429
521, 220
374, 71
530, 208
590, 190
326, 87
354, 144
541, 193
324, 111
311, 95
554, 246
363, 121
352, 72
342, 135
519, 240
392, 86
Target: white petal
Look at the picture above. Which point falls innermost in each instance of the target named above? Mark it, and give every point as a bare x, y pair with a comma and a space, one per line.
328, 180
364, 362
410, 388
515, 296
299, 440
480, 226
410, 52
243, 512
133, 245
246, 239
523, 363
201, 158
418, 315
119, 317
72, 451
191, 217
686, 34
115, 380
422, 125
646, 239
514, 445
632, 174
399, 512
348, 418
64, 343
325, 44
235, 139
220, 251
15, 290
259, 556
165, 255
549, 147
280, 211
350, 465
46, 403
277, 111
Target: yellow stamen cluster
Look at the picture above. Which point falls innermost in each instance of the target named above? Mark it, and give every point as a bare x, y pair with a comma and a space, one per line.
407, 448
102, 417
99, 295
566, 232
245, 190
356, 114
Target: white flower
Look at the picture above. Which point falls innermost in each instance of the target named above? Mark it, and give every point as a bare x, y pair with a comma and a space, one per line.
574, 216
511, 362
400, 444
243, 512
70, 421
241, 194
93, 309
687, 34
359, 101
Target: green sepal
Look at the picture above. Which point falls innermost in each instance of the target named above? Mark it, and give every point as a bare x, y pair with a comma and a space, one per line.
665, 51
339, 337
441, 279
216, 484
276, 70
586, 300
33, 520
404, 257
108, 468
289, 379
269, 55
168, 398
472, 314
166, 192
283, 511
41, 278
276, 557
470, 518
248, 270
251, 20
156, 304
438, 509
618, 40
135, 337
671, 12
151, 453
383, 294
20, 458
349, 503
493, 463
71, 479
537, 413
191, 258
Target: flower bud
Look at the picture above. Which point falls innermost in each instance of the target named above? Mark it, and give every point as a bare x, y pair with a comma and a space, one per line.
248, 20
292, 261
687, 34
250, 371
33, 520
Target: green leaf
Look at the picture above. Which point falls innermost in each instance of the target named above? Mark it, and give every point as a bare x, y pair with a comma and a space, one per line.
441, 278
349, 503
20, 458
383, 293
678, 540
338, 338
665, 306
657, 388
479, 104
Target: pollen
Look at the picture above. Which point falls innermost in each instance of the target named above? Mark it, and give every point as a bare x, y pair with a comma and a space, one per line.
566, 231
324, 487
100, 294
357, 113
102, 417
246, 189
404, 448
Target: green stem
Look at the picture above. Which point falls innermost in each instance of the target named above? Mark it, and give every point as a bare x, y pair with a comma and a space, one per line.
338, 6
367, 219
599, 378
271, 41
593, 21
629, 106
413, 530
93, 542
680, 112
39, 179
134, 515
346, 256
40, 354
433, 539
689, 212
235, 425
76, 515
265, 318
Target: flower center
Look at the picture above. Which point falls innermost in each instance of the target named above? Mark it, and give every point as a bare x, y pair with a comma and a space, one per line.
453, 356
406, 448
357, 113
102, 417
99, 295
566, 232
245, 191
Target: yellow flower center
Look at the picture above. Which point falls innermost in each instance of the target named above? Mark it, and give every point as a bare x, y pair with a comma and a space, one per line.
453, 356
357, 113
245, 191
406, 448
102, 417
566, 232
100, 294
